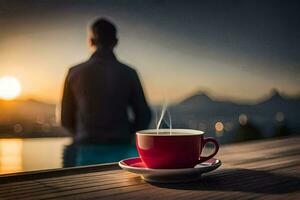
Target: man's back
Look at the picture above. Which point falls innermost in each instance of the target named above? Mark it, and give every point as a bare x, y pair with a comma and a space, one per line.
96, 99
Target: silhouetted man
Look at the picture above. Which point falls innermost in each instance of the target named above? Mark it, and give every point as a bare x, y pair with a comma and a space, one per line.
98, 93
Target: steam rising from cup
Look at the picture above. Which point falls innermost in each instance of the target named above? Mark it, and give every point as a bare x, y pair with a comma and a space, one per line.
163, 111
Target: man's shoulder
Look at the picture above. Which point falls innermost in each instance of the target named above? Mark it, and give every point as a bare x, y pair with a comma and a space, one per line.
78, 67
127, 68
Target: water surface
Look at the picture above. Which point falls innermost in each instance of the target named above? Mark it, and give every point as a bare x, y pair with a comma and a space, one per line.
19, 155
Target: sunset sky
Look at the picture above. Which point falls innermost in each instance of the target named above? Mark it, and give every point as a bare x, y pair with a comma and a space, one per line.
236, 50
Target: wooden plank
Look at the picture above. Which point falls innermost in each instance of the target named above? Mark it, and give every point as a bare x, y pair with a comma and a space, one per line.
63, 179
24, 176
40, 187
71, 190
264, 143
190, 192
254, 153
90, 191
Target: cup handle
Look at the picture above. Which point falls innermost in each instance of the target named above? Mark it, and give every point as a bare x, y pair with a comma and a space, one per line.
216, 144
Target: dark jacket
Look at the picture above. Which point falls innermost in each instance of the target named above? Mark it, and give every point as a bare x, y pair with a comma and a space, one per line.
97, 96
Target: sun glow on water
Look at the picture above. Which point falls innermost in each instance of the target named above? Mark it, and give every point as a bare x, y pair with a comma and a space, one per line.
10, 88
11, 155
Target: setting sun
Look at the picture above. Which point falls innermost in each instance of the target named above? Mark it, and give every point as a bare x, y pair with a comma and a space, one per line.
10, 87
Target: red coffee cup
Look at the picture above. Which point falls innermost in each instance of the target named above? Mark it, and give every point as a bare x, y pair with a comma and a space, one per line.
172, 149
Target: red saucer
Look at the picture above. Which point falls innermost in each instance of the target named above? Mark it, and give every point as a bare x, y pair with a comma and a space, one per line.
135, 165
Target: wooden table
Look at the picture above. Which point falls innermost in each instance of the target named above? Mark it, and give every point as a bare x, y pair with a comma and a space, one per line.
267, 169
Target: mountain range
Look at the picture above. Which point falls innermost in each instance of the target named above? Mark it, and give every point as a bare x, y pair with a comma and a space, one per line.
198, 111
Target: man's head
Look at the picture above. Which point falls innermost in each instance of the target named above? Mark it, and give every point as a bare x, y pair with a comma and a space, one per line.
103, 34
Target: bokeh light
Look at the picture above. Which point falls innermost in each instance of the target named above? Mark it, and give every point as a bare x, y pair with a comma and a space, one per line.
18, 128
228, 126
219, 126
219, 129
243, 119
279, 116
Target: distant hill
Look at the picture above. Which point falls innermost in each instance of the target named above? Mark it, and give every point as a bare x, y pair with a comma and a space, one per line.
199, 111
28, 118
202, 105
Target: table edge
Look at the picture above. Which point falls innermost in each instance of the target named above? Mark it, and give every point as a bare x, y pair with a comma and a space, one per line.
49, 173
